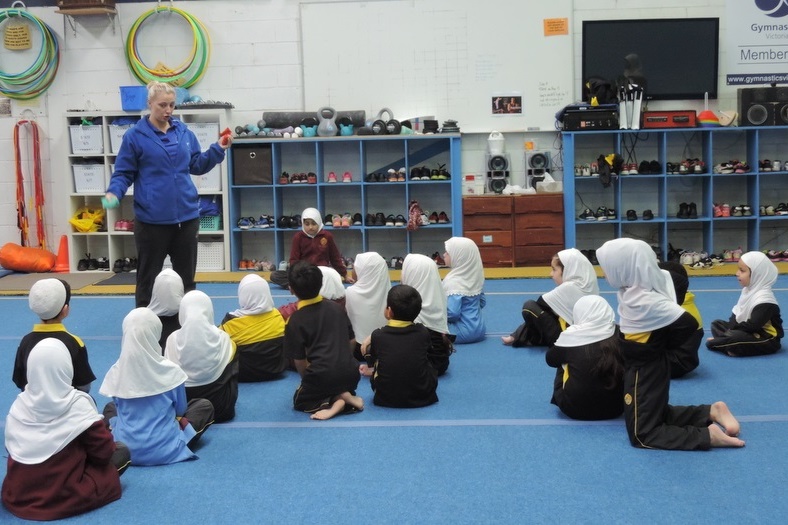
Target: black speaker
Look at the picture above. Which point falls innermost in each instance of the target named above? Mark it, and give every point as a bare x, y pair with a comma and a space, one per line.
497, 181
763, 106
499, 162
537, 162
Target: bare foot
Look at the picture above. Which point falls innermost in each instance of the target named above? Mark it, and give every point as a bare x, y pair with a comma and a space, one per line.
354, 401
721, 414
507, 340
721, 439
327, 413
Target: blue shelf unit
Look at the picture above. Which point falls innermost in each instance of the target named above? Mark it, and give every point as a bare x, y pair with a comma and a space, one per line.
663, 191
362, 157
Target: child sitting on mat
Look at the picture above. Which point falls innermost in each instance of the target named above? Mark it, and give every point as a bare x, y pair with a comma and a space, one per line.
314, 244
546, 317
206, 354
258, 331
396, 355
165, 302
652, 325
589, 369
62, 460
50, 300
464, 288
149, 411
365, 300
685, 359
319, 338
755, 327
421, 272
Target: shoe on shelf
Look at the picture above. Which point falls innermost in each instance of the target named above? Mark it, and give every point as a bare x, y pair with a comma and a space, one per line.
243, 265
648, 215
736, 254
737, 211
357, 219
244, 223
336, 221
443, 218
693, 211
644, 168
777, 165
683, 212
347, 177
118, 266
390, 220
632, 215
438, 259
311, 178
601, 213
283, 266
746, 210
401, 175
399, 220
346, 220
727, 255
587, 215
654, 167
392, 175
611, 214
380, 219
284, 178
433, 218
332, 177
263, 222
725, 209
765, 165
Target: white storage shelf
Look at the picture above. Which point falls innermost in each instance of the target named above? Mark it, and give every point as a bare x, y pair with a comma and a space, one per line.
663, 192
93, 149
360, 156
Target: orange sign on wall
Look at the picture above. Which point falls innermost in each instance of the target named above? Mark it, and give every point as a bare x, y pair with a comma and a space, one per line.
556, 26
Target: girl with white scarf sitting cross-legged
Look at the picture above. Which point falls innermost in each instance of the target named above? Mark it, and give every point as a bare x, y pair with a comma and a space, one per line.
464, 290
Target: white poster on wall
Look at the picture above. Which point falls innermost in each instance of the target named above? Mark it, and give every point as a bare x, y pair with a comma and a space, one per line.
757, 42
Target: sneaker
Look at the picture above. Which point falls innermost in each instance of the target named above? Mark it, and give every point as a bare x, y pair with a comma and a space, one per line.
601, 213
284, 178
737, 211
777, 165
82, 265
346, 220
390, 220
769, 209
746, 210
380, 219
399, 220
283, 266
438, 259
611, 214
433, 218
648, 215
346, 177
244, 223
332, 177
401, 175
117, 267
687, 259
717, 210
103, 263
443, 218
357, 219
424, 220
311, 178
693, 210
263, 222
587, 215
644, 168
725, 208
765, 165
736, 254
243, 265
632, 215
654, 167
392, 175
336, 221
683, 212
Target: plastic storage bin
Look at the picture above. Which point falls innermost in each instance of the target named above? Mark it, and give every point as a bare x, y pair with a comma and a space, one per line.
86, 140
89, 178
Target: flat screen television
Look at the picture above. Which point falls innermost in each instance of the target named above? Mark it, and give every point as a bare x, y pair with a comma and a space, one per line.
679, 57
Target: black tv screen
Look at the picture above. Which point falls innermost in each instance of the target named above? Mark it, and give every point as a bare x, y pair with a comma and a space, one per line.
678, 56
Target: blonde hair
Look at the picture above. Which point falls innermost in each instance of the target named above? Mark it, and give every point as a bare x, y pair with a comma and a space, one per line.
159, 88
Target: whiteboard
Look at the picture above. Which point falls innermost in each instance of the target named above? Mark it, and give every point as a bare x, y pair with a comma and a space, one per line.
446, 58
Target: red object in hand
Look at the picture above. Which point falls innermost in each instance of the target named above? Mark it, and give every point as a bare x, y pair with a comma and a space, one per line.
224, 136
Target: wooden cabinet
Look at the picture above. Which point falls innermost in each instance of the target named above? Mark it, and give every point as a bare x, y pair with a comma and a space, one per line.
523, 230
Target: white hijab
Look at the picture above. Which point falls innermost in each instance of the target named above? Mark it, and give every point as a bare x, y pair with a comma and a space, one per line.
50, 413
311, 213
254, 296
332, 284
763, 275
141, 371
578, 280
644, 299
466, 276
594, 321
365, 300
167, 293
421, 272
199, 347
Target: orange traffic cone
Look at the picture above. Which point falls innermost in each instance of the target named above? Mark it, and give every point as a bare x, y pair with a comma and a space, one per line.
61, 263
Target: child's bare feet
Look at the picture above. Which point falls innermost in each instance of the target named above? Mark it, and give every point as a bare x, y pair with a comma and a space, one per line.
721, 414
327, 413
365, 370
721, 439
507, 340
353, 401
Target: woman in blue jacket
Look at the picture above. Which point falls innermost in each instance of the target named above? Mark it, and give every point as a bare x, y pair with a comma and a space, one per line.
158, 155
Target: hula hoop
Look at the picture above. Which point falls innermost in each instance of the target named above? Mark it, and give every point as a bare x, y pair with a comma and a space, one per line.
187, 73
34, 80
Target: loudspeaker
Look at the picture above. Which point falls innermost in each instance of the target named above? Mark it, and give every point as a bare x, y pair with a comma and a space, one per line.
497, 181
537, 162
763, 106
498, 162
